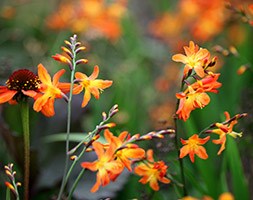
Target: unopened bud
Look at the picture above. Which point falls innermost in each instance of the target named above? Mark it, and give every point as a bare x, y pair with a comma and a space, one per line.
18, 184
146, 137
73, 157
78, 44
104, 115
67, 43
67, 51
242, 69
234, 51
82, 48
81, 61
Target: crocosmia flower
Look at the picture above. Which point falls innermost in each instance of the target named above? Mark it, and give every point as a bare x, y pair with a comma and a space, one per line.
48, 92
189, 101
223, 130
19, 84
194, 59
152, 172
194, 146
90, 85
195, 96
125, 153
107, 168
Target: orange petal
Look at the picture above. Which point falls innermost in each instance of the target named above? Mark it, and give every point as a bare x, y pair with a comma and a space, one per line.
154, 184
199, 71
40, 102
98, 147
86, 98
79, 75
7, 95
134, 153
64, 87
102, 84
44, 75
77, 89
95, 92
91, 166
95, 73
184, 151
48, 108
179, 58
57, 76
96, 185
30, 93
201, 152
150, 155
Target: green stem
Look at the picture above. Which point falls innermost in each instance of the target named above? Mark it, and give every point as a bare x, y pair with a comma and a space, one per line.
181, 164
64, 180
25, 123
75, 183
176, 140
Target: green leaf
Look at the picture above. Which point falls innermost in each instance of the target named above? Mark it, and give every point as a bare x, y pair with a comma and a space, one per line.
74, 137
8, 194
239, 184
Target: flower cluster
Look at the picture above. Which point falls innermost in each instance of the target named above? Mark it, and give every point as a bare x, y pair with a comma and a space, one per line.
197, 61
93, 17
194, 144
44, 90
121, 152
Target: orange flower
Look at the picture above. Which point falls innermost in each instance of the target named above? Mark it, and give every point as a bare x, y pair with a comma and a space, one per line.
152, 172
96, 18
91, 85
49, 91
193, 146
124, 152
194, 59
208, 83
107, 167
19, 84
190, 101
195, 95
224, 130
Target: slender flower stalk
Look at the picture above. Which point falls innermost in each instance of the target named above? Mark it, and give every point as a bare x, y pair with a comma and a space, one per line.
76, 183
176, 141
26, 132
72, 45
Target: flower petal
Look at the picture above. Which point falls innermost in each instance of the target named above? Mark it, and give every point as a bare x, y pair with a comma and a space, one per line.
44, 75
57, 76
86, 98
7, 96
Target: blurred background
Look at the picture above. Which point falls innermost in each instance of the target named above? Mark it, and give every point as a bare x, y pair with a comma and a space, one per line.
132, 42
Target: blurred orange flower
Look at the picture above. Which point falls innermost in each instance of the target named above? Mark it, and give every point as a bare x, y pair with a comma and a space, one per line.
223, 130
90, 84
125, 153
201, 20
152, 172
94, 17
193, 146
194, 59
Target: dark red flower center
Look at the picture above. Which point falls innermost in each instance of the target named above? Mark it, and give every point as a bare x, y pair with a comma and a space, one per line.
23, 79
